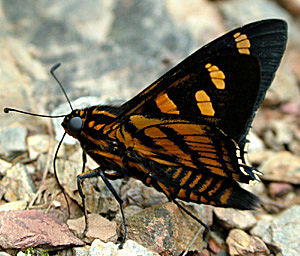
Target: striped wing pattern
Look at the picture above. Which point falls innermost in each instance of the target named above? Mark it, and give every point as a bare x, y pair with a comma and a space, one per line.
193, 162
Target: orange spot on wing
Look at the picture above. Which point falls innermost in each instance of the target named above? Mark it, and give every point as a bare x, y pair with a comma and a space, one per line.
124, 137
204, 104
242, 43
217, 76
154, 132
224, 198
141, 122
148, 181
211, 162
102, 112
206, 184
185, 178
164, 188
194, 197
91, 124
182, 193
203, 200
211, 192
166, 105
202, 140
176, 174
98, 126
196, 180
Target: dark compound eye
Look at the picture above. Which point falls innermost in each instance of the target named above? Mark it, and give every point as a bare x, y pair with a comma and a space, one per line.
75, 125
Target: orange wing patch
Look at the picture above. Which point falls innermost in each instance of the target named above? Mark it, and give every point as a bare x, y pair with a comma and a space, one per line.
217, 76
151, 139
242, 43
91, 124
204, 104
166, 105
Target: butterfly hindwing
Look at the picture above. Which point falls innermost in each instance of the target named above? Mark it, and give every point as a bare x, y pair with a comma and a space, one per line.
180, 143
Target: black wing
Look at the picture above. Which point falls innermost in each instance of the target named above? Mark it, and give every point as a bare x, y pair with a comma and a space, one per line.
265, 40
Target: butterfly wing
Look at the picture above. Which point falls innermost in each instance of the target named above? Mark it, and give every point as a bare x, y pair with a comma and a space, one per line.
183, 141
193, 162
266, 40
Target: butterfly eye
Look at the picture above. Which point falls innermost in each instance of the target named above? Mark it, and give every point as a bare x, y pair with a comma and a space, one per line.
75, 125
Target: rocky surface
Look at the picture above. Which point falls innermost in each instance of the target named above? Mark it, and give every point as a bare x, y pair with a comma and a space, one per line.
281, 232
25, 229
240, 243
98, 228
109, 50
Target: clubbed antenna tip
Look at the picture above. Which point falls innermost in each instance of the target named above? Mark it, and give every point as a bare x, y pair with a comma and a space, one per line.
55, 67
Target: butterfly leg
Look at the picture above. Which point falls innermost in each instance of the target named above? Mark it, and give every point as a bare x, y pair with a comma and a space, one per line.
192, 215
95, 173
80, 178
207, 228
83, 161
120, 201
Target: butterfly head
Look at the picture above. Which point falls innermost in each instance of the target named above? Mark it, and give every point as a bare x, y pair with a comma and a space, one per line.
74, 122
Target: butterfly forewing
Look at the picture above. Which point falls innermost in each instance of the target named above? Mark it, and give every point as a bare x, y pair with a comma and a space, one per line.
209, 91
266, 40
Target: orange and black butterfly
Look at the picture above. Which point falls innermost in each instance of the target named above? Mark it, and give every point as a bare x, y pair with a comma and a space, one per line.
185, 134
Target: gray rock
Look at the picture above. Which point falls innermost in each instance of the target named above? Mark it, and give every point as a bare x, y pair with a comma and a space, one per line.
241, 244
96, 57
4, 254
257, 10
134, 192
232, 218
12, 140
81, 251
98, 228
4, 166
13, 206
261, 228
15, 85
282, 167
285, 231
18, 183
280, 134
166, 228
190, 15
37, 144
282, 232
99, 248
284, 87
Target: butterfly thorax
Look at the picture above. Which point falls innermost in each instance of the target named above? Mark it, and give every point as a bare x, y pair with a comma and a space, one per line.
89, 132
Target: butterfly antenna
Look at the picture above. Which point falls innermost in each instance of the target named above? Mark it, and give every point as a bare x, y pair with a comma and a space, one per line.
56, 66
55, 173
7, 110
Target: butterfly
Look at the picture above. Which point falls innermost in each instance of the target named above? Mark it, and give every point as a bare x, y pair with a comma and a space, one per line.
185, 134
